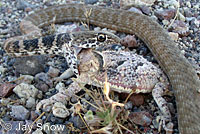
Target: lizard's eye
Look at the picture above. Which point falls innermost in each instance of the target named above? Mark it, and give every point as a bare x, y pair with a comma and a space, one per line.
101, 37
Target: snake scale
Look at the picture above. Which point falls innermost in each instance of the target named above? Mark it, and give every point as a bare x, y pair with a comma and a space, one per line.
181, 74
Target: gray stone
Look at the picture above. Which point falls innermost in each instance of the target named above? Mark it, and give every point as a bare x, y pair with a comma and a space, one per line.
30, 102
19, 113
29, 65
22, 5
91, 1
25, 91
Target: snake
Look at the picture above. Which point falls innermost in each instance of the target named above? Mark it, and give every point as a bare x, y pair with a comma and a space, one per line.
182, 75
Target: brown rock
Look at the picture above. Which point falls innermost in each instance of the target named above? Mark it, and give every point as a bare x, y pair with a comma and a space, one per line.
129, 41
166, 14
6, 89
28, 9
137, 99
141, 118
53, 72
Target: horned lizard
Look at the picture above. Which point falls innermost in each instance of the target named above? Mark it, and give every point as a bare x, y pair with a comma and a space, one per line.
126, 72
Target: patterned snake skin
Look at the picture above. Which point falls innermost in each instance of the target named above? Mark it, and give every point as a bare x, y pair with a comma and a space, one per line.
181, 74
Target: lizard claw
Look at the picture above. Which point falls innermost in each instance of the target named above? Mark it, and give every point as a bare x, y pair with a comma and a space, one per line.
46, 104
167, 127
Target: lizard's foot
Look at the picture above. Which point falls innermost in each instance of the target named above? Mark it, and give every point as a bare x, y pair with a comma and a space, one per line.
47, 104
168, 127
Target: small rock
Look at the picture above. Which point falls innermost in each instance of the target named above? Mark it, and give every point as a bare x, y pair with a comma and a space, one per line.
42, 86
14, 125
173, 35
6, 89
19, 113
44, 78
2, 70
77, 122
53, 72
129, 41
59, 110
30, 65
181, 17
166, 14
141, 118
128, 105
28, 9
145, 9
136, 10
68, 28
137, 2
34, 115
188, 4
30, 103
137, 99
91, 1
22, 5
165, 22
187, 13
28, 79
25, 91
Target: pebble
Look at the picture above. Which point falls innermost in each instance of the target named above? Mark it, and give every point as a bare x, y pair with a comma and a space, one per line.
44, 78
22, 5
77, 122
26, 91
137, 2
145, 9
30, 103
181, 17
2, 70
91, 1
42, 86
29, 65
137, 99
28, 79
19, 113
128, 105
141, 118
33, 115
129, 41
173, 35
166, 14
68, 28
136, 10
53, 72
6, 89
59, 110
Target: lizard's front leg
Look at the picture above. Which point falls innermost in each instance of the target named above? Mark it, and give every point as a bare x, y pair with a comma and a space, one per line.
157, 94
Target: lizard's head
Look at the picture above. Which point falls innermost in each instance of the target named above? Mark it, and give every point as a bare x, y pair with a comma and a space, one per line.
93, 39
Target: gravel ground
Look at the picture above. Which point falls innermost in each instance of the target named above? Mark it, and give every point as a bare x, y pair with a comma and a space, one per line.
18, 97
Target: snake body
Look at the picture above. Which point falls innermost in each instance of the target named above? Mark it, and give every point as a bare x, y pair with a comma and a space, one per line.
181, 74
